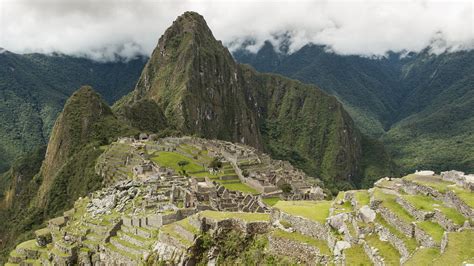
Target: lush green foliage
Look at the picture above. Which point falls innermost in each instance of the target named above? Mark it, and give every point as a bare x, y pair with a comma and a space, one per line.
34, 88
286, 118
421, 105
67, 171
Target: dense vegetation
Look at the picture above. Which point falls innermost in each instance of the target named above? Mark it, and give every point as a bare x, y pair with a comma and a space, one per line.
67, 171
193, 80
421, 106
34, 88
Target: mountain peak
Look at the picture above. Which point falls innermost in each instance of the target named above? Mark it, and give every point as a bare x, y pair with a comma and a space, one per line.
188, 29
85, 120
190, 22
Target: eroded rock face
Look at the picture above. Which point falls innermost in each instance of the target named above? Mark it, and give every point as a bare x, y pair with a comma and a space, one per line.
367, 214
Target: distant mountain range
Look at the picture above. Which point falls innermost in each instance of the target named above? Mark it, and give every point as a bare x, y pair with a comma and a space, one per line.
34, 88
420, 105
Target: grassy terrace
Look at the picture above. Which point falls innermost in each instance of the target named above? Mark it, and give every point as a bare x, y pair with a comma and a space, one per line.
410, 243
246, 216
427, 203
297, 237
170, 230
30, 245
362, 197
171, 159
122, 252
184, 223
386, 250
458, 251
271, 201
345, 207
314, 210
433, 229
423, 256
388, 201
355, 256
442, 186
198, 168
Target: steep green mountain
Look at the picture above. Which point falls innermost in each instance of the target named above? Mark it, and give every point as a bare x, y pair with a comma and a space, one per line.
34, 88
37, 188
435, 130
85, 124
366, 87
420, 105
196, 84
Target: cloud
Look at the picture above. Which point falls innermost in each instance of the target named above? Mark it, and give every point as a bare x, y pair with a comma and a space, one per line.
103, 29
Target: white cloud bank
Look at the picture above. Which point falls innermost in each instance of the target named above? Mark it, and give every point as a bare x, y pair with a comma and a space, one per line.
103, 28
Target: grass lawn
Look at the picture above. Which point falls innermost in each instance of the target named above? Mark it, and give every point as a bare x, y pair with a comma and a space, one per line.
464, 195
340, 196
184, 223
297, 237
362, 197
195, 168
459, 249
423, 256
410, 243
388, 201
246, 216
171, 159
355, 256
427, 203
442, 186
314, 210
29, 245
239, 186
432, 229
170, 230
386, 250
346, 207
271, 201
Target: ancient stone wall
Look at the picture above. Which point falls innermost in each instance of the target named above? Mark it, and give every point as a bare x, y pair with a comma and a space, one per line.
406, 228
302, 225
396, 242
373, 255
302, 252
424, 239
416, 213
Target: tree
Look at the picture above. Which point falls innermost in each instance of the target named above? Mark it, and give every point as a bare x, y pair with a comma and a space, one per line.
286, 188
182, 164
215, 164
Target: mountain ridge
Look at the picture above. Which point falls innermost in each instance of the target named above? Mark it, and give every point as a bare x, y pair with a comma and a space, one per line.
405, 101
34, 88
210, 95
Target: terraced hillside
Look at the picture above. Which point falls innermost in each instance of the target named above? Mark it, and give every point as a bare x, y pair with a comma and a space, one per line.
191, 200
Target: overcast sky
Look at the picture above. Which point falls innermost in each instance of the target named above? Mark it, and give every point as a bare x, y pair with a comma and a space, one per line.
102, 28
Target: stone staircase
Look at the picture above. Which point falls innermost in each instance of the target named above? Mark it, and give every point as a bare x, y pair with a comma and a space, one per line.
131, 242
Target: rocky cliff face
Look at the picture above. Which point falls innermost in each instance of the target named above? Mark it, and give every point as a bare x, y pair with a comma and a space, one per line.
199, 88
